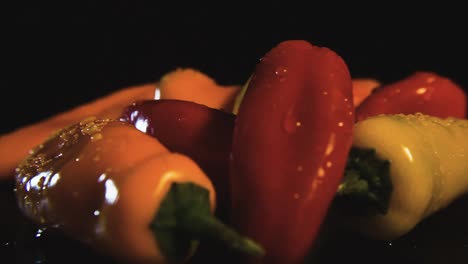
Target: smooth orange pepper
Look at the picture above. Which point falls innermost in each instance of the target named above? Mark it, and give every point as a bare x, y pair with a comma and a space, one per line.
15, 146
102, 182
192, 85
186, 84
362, 88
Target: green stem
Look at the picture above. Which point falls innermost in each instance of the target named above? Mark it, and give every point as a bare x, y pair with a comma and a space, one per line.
184, 219
210, 228
366, 186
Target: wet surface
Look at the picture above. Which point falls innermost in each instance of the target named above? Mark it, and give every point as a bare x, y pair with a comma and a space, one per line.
442, 238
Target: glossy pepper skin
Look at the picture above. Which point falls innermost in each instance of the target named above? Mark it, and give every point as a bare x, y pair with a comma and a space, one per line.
123, 193
424, 92
291, 139
198, 131
15, 145
101, 182
428, 165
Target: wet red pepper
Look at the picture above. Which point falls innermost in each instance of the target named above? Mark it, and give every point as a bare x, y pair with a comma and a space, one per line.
425, 92
292, 136
200, 132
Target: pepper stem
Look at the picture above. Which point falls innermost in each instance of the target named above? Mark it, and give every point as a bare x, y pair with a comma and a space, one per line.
184, 219
366, 186
209, 228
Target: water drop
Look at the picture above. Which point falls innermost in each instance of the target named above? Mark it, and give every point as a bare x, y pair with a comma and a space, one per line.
96, 137
291, 122
321, 172
280, 71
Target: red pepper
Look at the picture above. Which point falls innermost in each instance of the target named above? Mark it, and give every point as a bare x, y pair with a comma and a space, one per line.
425, 92
291, 140
202, 133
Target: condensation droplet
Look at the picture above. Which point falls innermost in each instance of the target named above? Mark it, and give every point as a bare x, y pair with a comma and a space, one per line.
96, 137
87, 120
321, 172
421, 90
290, 122
280, 70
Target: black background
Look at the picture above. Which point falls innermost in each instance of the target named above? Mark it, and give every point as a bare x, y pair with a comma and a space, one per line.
58, 55
61, 55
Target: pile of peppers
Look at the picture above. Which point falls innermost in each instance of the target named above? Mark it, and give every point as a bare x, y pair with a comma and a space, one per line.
288, 143
276, 163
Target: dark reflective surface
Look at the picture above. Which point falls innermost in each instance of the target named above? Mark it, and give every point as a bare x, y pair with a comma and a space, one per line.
442, 238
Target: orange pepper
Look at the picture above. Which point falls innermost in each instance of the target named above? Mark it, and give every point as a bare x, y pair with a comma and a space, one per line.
362, 88
104, 183
187, 84
15, 146
192, 85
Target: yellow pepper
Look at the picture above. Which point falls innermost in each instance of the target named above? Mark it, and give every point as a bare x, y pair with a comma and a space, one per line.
428, 168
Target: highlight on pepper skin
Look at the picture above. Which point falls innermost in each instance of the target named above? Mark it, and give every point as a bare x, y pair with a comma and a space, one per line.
110, 170
424, 92
186, 84
118, 190
198, 131
424, 158
298, 102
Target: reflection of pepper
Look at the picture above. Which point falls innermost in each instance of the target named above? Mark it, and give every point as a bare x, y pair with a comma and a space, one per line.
424, 92
292, 135
115, 188
200, 132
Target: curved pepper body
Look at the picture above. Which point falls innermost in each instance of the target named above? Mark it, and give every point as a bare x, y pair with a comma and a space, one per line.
101, 182
183, 84
15, 145
424, 92
192, 85
292, 135
198, 131
362, 88
428, 165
